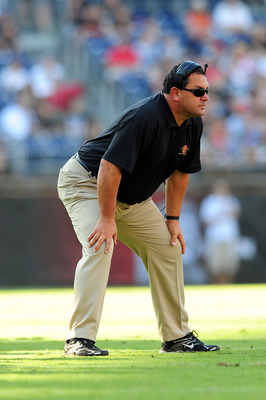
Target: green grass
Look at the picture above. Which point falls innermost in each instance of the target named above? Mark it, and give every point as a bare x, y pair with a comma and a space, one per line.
34, 323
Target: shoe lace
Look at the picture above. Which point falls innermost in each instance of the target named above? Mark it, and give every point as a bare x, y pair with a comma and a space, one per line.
190, 338
87, 342
195, 334
193, 338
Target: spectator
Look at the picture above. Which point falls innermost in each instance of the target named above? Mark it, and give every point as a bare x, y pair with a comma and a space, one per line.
8, 32
149, 45
220, 213
48, 116
14, 77
198, 20
17, 119
121, 59
118, 15
45, 76
35, 15
64, 94
95, 128
242, 69
88, 18
232, 18
76, 120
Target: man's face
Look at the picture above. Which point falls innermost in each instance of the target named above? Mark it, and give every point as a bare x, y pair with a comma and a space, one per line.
192, 106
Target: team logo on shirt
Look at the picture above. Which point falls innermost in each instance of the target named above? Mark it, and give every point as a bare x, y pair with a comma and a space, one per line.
183, 150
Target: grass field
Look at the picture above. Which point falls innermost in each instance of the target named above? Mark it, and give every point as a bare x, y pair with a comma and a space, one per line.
33, 327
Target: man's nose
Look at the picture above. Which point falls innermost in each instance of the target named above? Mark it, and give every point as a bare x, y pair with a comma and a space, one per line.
205, 97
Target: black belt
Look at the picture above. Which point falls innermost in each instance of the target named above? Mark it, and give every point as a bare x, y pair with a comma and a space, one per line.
77, 157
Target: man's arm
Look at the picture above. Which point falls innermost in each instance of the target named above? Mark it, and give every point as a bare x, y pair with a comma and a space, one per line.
108, 182
175, 190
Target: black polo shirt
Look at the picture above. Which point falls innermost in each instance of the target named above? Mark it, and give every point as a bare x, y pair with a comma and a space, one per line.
148, 145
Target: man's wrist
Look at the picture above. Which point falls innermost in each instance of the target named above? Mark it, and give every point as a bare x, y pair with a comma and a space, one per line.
173, 217
110, 218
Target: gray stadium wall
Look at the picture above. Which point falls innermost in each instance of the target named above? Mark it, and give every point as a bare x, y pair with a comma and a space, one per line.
38, 246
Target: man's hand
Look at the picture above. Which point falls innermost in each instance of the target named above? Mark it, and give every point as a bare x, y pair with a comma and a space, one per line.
108, 181
176, 234
105, 230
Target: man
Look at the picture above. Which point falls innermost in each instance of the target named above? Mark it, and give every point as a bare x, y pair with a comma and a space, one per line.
106, 189
219, 213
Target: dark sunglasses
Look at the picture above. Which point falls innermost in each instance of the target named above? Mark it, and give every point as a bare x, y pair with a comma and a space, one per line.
198, 92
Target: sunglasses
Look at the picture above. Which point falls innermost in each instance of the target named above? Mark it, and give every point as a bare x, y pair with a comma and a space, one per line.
198, 92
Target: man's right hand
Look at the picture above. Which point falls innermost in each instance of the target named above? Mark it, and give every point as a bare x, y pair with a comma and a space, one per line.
105, 230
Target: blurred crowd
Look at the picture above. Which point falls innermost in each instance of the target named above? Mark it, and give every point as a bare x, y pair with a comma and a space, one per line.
43, 114
135, 47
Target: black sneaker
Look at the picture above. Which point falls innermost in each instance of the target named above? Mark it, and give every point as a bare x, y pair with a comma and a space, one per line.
83, 347
189, 343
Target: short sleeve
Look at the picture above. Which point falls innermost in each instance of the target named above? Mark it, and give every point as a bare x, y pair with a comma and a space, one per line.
128, 143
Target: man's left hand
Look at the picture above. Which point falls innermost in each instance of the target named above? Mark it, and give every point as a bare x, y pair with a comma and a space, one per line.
176, 234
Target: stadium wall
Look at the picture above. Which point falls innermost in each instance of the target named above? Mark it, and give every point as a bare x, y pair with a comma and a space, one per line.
38, 246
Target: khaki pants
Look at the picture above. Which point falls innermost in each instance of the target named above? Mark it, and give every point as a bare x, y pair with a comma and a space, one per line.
142, 228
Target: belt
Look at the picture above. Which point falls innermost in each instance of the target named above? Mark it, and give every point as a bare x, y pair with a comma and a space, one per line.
77, 157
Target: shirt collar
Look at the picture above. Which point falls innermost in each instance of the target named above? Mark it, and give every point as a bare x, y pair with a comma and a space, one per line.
170, 117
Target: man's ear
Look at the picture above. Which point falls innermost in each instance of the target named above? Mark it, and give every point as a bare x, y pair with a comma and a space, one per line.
175, 92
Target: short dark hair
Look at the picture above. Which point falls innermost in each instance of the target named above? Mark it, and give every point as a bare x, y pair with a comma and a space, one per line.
171, 80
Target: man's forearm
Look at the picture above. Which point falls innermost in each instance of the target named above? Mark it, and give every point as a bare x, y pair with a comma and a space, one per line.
108, 182
175, 190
